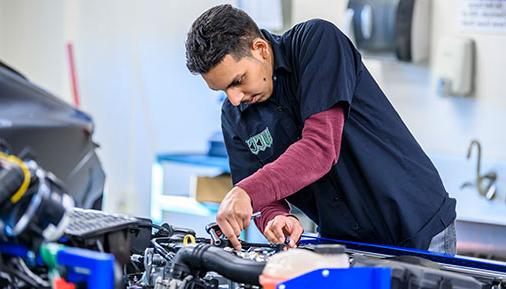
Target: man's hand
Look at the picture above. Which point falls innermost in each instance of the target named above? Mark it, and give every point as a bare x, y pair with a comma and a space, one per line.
234, 215
281, 226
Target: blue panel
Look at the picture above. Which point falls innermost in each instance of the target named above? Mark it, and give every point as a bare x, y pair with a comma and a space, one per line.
356, 278
397, 251
96, 268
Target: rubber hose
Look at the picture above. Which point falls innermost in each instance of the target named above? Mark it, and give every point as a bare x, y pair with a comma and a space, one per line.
204, 257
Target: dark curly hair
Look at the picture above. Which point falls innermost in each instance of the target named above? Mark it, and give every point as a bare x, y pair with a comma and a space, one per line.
219, 31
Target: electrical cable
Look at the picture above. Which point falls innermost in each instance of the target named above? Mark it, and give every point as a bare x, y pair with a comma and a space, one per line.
161, 250
32, 275
24, 276
100, 247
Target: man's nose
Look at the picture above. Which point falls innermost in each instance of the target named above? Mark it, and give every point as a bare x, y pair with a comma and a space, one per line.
235, 96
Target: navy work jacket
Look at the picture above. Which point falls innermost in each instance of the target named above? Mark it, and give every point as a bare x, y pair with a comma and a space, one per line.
383, 189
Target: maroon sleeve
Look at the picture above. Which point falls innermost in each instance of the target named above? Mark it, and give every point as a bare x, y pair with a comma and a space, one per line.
303, 163
270, 211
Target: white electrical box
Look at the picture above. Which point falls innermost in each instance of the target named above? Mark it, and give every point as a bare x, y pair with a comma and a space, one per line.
455, 66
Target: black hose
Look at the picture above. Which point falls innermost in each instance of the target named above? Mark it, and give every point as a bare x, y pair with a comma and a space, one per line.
204, 257
10, 181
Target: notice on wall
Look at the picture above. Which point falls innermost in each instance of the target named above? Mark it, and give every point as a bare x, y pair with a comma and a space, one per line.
483, 15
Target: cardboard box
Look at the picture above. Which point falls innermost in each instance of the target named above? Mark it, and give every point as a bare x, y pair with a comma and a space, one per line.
211, 189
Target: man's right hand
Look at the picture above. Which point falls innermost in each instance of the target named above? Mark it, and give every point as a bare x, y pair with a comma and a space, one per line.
281, 226
234, 215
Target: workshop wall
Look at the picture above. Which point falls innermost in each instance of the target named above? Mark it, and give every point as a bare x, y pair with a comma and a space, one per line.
31, 40
443, 125
491, 43
133, 81
2, 12
454, 122
330, 10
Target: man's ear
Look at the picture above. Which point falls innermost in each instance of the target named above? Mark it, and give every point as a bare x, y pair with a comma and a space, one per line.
261, 47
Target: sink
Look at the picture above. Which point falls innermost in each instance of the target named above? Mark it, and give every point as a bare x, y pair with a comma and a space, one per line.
481, 223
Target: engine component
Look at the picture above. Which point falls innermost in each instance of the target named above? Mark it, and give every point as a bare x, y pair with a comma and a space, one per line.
295, 262
203, 257
33, 203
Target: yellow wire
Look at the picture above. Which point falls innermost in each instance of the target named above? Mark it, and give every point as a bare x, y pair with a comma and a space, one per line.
189, 237
26, 173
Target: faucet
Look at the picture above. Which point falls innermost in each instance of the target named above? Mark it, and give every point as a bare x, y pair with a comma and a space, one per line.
485, 184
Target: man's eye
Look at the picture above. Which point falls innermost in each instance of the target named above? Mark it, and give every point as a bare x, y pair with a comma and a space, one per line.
238, 82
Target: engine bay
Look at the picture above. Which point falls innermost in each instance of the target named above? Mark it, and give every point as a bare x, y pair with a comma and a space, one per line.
46, 242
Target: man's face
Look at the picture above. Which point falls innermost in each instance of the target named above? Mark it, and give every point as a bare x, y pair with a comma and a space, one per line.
248, 80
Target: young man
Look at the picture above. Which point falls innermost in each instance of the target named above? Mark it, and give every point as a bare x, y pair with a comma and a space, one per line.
306, 123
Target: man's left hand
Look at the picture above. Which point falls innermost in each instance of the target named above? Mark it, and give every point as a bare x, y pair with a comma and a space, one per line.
234, 215
281, 227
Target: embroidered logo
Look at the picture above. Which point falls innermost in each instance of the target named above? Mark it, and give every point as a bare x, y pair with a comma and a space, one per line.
260, 142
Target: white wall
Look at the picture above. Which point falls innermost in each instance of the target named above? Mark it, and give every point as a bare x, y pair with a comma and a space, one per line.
442, 125
135, 84
133, 81
32, 41
330, 10
2, 12
490, 48
446, 125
